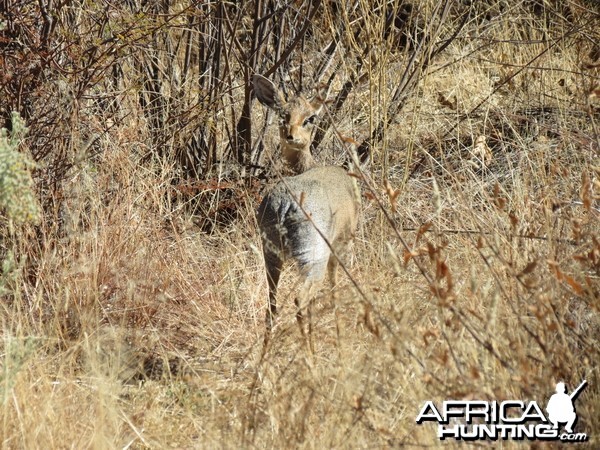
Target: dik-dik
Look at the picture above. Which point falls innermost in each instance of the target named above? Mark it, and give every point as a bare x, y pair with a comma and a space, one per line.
311, 217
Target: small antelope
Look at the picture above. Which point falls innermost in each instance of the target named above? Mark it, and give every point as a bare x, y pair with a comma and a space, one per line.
311, 217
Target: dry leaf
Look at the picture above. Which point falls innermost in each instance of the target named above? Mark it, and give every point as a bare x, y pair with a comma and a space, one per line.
481, 152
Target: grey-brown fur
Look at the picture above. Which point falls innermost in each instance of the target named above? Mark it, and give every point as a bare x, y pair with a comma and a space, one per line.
310, 217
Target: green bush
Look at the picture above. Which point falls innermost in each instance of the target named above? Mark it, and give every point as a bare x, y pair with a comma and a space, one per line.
17, 197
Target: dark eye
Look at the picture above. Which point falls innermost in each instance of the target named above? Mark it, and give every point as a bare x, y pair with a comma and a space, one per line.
311, 119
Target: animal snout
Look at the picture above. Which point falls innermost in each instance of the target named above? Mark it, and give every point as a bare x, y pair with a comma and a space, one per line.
292, 134
294, 142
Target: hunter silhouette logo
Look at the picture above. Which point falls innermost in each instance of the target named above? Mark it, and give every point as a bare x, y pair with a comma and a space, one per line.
471, 420
560, 406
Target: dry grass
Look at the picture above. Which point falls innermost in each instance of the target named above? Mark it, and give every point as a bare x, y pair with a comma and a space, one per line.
135, 328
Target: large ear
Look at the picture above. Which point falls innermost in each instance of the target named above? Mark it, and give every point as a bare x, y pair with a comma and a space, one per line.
267, 93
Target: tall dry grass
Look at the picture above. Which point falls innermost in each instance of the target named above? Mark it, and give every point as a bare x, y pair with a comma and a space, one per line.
133, 313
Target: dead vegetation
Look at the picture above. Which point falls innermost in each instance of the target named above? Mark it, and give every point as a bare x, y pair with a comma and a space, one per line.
132, 297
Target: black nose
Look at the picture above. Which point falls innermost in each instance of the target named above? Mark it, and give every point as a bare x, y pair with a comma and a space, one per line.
290, 137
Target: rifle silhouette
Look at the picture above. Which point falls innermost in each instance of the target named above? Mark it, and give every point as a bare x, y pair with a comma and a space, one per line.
576, 392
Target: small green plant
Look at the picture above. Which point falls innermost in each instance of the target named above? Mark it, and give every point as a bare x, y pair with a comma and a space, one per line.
16, 353
8, 269
17, 197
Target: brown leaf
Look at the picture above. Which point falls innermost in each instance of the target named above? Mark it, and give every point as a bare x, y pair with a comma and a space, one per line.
574, 284
528, 268
586, 191
553, 266
422, 230
392, 194
430, 335
479, 242
407, 256
450, 104
431, 250
442, 269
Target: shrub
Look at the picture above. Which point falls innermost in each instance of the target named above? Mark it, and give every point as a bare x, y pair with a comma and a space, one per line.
17, 196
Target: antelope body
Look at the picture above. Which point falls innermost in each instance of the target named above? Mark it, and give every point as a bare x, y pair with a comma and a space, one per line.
311, 217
